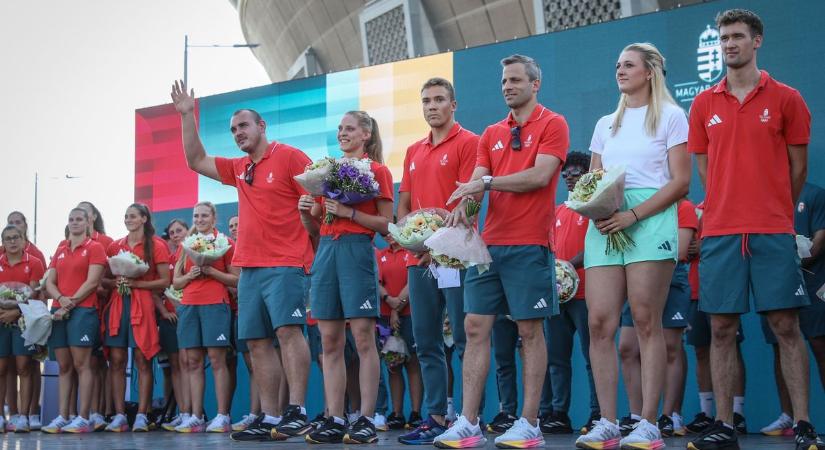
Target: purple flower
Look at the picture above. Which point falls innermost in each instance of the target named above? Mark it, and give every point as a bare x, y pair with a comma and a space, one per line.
365, 181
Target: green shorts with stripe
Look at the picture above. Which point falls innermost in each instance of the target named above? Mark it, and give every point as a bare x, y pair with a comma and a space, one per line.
521, 282
204, 325
656, 237
81, 329
269, 298
344, 279
677, 306
11, 342
734, 268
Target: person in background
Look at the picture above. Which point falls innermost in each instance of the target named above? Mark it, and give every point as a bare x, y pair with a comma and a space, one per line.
233, 227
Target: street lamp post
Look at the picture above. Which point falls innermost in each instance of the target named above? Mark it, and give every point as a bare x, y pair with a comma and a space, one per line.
187, 46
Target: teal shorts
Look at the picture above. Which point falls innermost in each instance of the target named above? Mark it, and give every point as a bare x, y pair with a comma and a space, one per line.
239, 344
677, 306
125, 337
521, 282
204, 325
168, 332
698, 333
656, 237
734, 268
344, 279
269, 298
81, 329
12, 344
811, 321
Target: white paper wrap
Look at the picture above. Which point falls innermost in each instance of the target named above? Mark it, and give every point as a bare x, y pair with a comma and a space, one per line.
313, 180
123, 265
38, 323
463, 244
606, 200
567, 280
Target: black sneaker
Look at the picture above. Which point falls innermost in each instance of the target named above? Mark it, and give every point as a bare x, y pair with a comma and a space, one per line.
396, 422
665, 424
806, 437
328, 433
700, 423
257, 431
739, 423
555, 423
361, 432
595, 416
414, 421
501, 423
293, 424
317, 421
716, 437
627, 424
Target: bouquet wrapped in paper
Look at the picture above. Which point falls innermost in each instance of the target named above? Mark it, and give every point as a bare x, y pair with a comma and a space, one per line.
35, 323
204, 249
803, 246
394, 351
313, 177
413, 229
176, 295
127, 264
567, 280
459, 247
598, 195
13, 293
349, 181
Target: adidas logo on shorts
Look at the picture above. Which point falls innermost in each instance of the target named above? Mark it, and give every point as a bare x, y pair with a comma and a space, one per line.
366, 305
221, 338
85, 338
297, 313
800, 292
677, 316
665, 246
540, 304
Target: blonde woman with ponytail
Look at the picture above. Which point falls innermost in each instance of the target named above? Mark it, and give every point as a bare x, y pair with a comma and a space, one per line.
646, 135
345, 283
205, 325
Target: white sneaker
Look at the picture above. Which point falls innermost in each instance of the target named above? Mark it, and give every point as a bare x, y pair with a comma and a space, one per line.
645, 435
98, 421
220, 424
141, 423
244, 423
462, 434
78, 425
380, 422
119, 424
177, 420
783, 426
55, 425
522, 434
21, 424
34, 422
191, 425
605, 435
353, 417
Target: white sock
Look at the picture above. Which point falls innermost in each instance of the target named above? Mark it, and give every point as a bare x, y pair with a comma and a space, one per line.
339, 420
706, 403
635, 416
677, 420
303, 410
739, 405
272, 420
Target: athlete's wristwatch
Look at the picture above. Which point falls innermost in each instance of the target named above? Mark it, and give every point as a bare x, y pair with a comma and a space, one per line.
488, 182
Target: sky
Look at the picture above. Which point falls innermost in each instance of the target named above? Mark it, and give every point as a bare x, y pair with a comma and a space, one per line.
73, 74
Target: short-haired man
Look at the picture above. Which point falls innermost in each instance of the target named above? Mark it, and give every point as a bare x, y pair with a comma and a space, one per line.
750, 135
432, 166
274, 254
518, 163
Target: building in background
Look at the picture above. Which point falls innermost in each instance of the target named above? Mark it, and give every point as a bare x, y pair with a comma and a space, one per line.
300, 38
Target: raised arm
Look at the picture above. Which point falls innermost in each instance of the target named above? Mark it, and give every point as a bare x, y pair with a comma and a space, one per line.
196, 157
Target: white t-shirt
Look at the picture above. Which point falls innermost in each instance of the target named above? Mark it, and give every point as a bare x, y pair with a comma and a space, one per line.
643, 156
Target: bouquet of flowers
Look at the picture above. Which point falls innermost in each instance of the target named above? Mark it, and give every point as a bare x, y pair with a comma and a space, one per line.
349, 181
204, 249
598, 195
459, 248
394, 350
567, 280
173, 294
35, 323
803, 246
414, 228
14, 293
313, 177
127, 264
